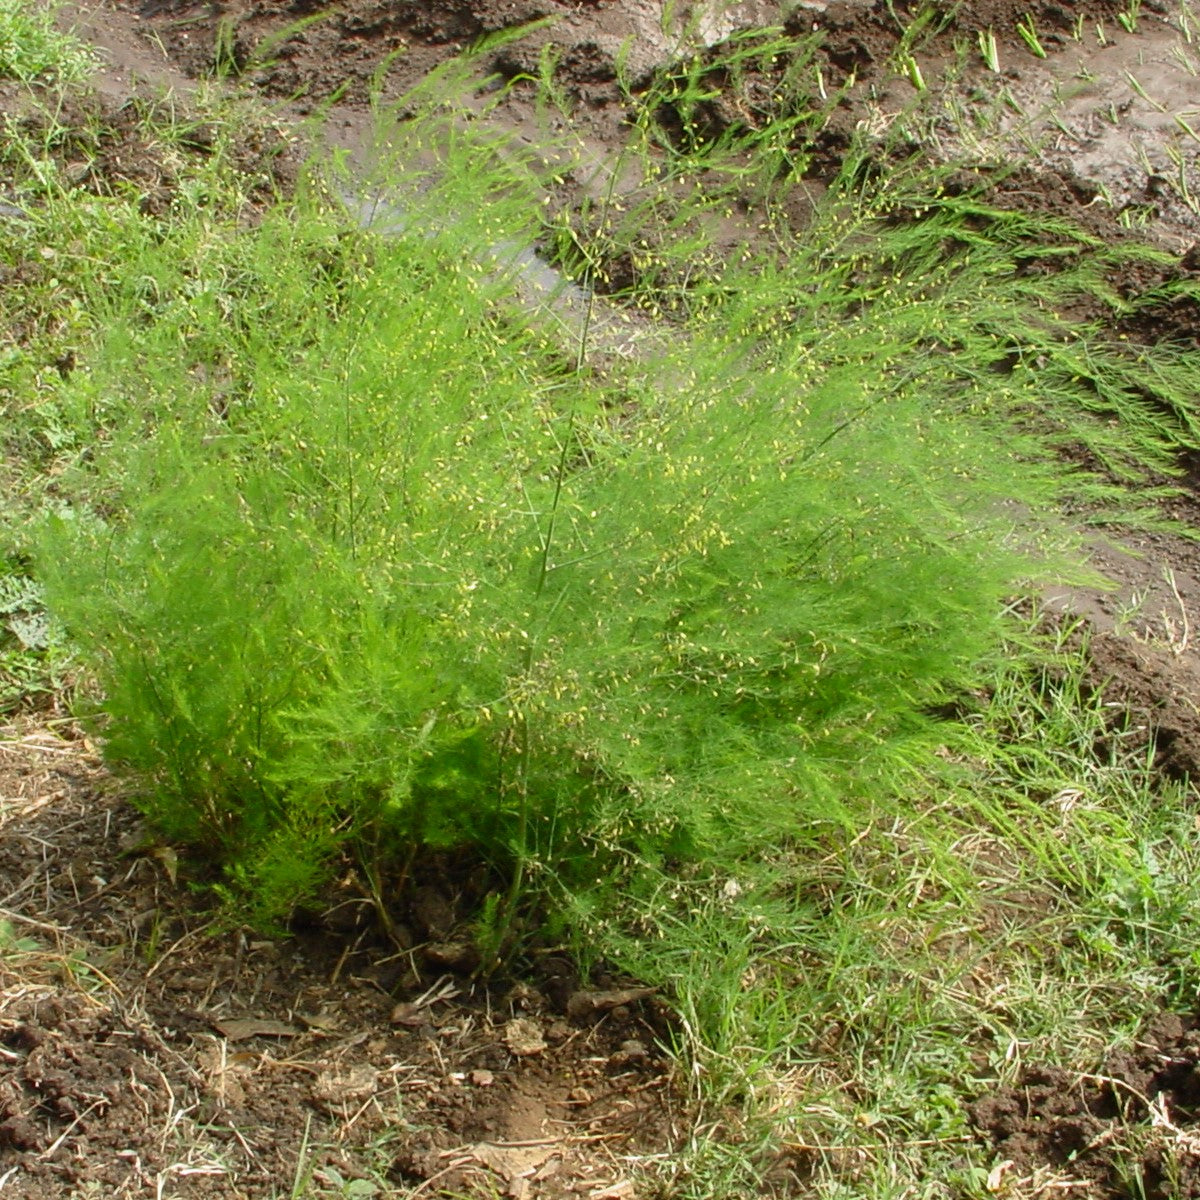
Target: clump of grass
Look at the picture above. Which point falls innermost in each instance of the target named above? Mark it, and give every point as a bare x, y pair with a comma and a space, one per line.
374, 575
1031, 908
1027, 28
748, 108
366, 570
988, 50
33, 49
1128, 17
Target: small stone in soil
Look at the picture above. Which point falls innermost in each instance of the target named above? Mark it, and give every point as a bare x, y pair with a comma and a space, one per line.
524, 1037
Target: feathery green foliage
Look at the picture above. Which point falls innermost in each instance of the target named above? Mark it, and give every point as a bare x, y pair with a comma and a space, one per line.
403, 581
383, 573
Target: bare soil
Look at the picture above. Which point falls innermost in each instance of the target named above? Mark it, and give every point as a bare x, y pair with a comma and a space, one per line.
1130, 1129
146, 1054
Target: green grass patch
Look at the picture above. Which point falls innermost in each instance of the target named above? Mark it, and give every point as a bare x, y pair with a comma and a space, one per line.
33, 48
855, 1001
73, 219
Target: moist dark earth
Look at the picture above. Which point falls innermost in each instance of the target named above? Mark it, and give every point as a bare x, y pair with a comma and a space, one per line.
1129, 1129
144, 1052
